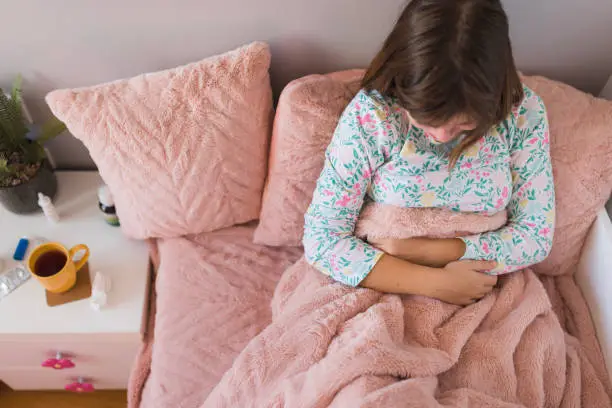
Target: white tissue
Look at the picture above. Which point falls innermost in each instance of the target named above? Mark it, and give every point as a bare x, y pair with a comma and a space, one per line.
99, 291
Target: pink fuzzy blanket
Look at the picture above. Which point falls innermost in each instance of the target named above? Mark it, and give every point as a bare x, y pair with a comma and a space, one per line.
331, 345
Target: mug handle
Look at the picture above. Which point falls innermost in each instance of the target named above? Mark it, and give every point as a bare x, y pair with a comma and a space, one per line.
72, 252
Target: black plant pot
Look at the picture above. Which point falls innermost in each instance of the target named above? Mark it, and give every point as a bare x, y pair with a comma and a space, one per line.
23, 199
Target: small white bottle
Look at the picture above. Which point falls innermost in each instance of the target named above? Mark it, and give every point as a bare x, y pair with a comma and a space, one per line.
107, 206
48, 208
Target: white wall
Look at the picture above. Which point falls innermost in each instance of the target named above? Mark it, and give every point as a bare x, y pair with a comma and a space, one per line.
67, 43
606, 92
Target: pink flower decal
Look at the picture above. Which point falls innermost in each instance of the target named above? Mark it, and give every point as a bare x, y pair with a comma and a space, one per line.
466, 165
80, 386
365, 120
58, 363
505, 192
333, 263
544, 231
533, 140
357, 188
344, 201
485, 247
328, 193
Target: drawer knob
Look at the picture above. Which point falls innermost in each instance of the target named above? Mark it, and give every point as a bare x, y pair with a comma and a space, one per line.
80, 386
58, 363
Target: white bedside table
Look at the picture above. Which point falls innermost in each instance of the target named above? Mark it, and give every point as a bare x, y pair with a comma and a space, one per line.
102, 345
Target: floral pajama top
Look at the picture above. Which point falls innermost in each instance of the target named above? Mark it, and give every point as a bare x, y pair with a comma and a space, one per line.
375, 154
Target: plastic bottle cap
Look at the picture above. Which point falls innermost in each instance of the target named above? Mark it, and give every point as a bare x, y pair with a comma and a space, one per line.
43, 199
105, 196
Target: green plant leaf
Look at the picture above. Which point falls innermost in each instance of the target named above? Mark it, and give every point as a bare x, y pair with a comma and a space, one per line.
16, 93
13, 129
15, 149
50, 129
6, 120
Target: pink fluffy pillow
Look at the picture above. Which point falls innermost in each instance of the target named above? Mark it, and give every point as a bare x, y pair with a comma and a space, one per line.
183, 150
307, 113
309, 108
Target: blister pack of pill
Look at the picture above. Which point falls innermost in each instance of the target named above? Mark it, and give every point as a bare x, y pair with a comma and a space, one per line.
12, 278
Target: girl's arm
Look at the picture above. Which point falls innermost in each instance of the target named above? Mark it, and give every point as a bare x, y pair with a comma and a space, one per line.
527, 237
350, 160
430, 252
460, 283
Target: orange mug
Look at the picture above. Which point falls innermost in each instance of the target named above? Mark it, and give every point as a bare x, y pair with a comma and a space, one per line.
53, 265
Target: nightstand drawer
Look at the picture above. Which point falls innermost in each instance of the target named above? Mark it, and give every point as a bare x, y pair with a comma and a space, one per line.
103, 350
109, 378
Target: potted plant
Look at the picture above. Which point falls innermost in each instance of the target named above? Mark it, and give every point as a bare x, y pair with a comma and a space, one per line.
25, 170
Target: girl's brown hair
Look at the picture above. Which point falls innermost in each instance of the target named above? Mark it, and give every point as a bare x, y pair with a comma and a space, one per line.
449, 57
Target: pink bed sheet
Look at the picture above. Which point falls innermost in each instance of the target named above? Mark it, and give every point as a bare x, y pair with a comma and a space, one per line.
213, 294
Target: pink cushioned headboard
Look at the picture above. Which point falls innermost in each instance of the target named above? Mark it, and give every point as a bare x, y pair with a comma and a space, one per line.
307, 113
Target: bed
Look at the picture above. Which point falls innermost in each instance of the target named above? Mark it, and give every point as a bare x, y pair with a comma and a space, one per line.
216, 275
223, 271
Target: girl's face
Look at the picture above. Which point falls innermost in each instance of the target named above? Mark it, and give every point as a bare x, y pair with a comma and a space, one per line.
447, 132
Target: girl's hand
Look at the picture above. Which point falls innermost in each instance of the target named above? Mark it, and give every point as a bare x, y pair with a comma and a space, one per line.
462, 282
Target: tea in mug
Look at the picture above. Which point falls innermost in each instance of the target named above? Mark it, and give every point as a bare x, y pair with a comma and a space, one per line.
50, 263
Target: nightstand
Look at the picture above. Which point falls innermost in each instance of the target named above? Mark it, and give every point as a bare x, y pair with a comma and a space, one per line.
101, 344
